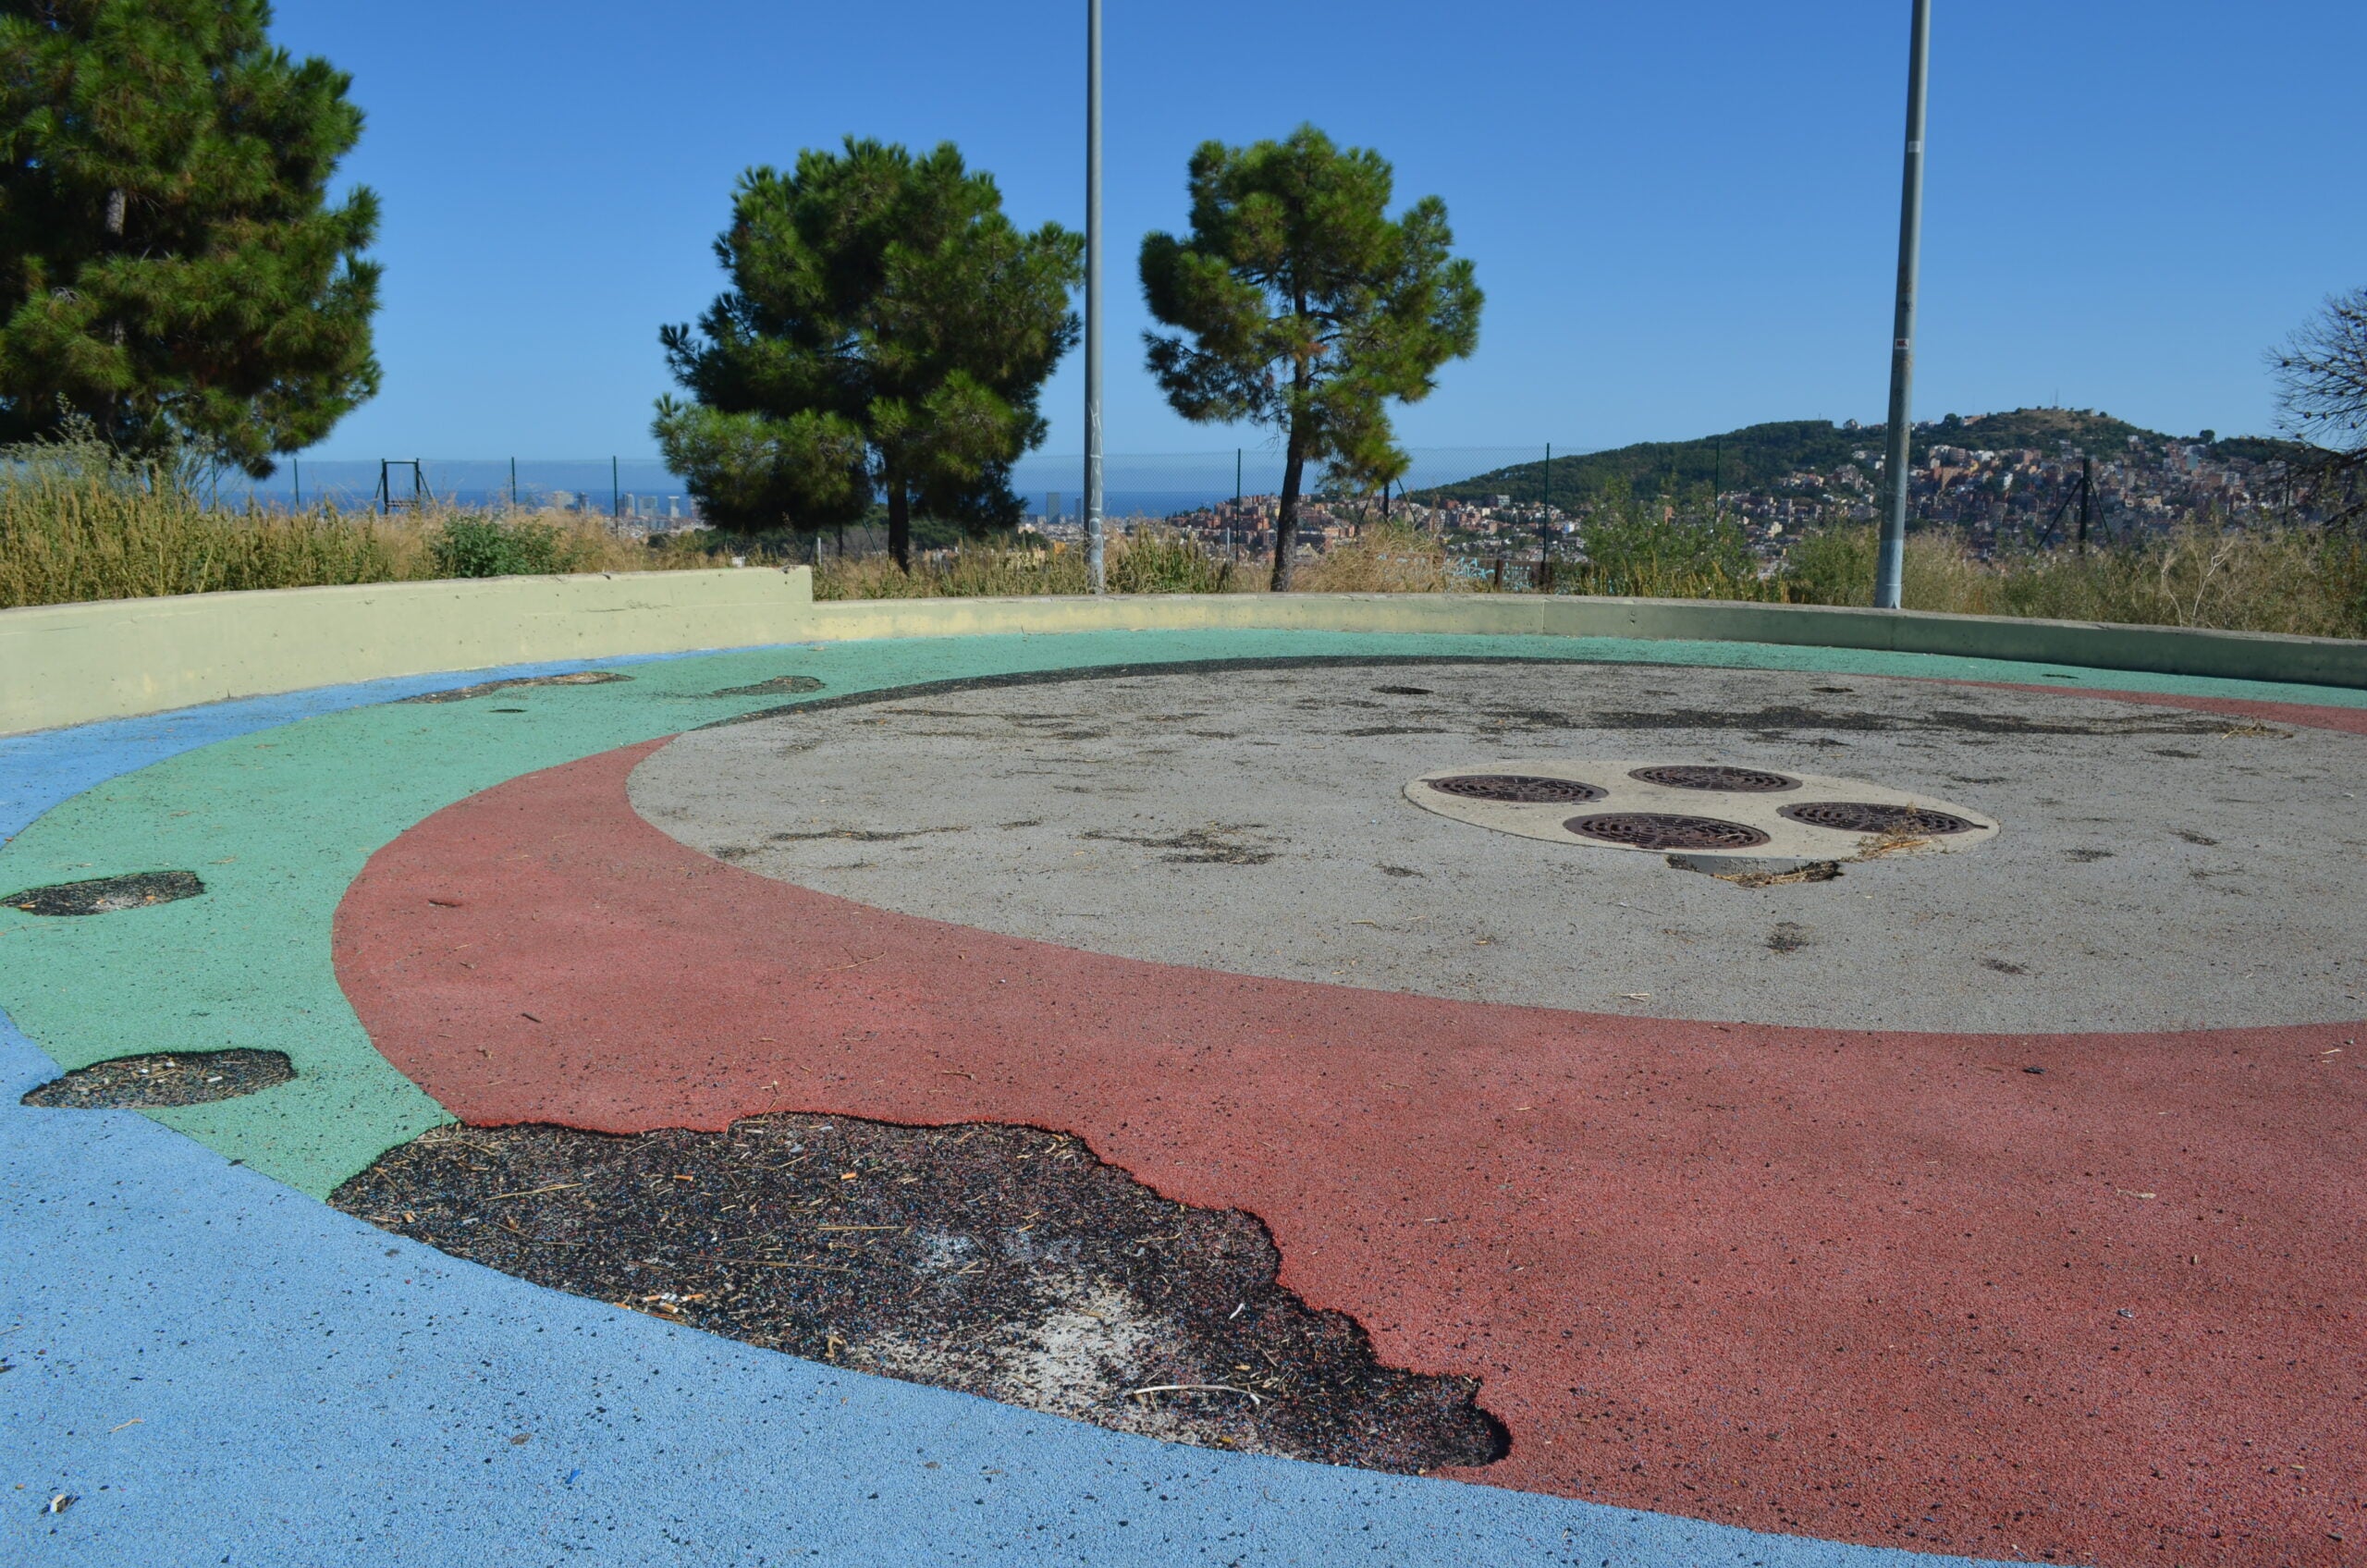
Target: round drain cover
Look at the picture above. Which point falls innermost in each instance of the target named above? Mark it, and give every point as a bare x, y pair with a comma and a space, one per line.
1521, 788
1867, 817
1741, 781
1665, 830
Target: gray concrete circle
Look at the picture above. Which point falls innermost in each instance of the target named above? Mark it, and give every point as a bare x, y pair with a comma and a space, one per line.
2159, 868
1616, 790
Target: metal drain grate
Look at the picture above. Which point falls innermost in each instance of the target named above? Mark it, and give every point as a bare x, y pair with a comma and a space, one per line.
1866, 816
1741, 781
1519, 789
1664, 830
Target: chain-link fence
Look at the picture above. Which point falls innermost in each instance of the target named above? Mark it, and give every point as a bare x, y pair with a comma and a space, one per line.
1135, 486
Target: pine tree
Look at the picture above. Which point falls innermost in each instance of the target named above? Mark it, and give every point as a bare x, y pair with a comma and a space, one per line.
888, 334
171, 270
1301, 304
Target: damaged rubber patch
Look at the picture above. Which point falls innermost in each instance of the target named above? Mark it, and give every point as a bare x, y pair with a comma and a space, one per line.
106, 895
153, 1082
998, 1260
488, 688
778, 685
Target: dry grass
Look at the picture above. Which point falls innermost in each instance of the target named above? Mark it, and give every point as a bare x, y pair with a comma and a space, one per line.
1140, 563
1386, 558
75, 526
2299, 580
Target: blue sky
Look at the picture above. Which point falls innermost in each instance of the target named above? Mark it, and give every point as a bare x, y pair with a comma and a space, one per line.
1685, 217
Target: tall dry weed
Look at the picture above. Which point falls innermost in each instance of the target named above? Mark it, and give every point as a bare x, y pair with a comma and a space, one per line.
78, 524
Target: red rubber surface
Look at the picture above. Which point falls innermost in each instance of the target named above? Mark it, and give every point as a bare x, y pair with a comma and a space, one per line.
1859, 1286
2351, 721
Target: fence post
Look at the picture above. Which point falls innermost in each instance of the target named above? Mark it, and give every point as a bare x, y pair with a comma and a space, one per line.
513, 484
296, 467
1545, 526
616, 495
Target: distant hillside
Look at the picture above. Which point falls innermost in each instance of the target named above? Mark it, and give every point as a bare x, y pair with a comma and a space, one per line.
1760, 456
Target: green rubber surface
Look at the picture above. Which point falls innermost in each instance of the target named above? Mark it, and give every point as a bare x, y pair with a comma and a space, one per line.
279, 823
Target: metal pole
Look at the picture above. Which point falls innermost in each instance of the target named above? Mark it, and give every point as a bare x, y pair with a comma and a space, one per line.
616, 495
1094, 560
1890, 565
1545, 516
2087, 498
1236, 476
513, 483
296, 466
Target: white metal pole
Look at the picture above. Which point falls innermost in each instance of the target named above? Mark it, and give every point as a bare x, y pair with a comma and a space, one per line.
1095, 561
1890, 564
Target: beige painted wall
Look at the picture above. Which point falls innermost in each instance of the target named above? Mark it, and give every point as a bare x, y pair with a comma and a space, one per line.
70, 664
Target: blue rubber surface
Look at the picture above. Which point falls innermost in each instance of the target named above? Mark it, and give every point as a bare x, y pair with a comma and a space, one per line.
221, 1371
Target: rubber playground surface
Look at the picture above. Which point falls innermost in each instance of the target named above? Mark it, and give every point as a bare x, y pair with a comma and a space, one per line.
1908, 1189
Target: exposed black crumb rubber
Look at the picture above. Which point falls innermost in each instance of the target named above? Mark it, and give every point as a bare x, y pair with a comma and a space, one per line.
106, 895
147, 1082
488, 688
778, 685
998, 1260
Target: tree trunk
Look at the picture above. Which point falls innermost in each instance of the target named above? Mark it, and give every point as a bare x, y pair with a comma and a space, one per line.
900, 525
1286, 515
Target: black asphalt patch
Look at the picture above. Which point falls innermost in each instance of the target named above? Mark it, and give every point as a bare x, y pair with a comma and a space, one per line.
488, 688
148, 1082
780, 685
998, 1260
107, 895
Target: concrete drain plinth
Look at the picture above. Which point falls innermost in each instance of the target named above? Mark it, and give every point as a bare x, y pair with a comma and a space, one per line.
1731, 821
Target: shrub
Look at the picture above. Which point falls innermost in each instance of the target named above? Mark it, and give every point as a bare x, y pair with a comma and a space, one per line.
488, 546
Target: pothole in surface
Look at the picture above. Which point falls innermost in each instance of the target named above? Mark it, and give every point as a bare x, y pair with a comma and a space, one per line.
998, 1260
147, 1082
107, 895
488, 688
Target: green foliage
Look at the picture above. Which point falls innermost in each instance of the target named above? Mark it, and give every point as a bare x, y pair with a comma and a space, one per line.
489, 547
1636, 548
1832, 566
1297, 303
169, 266
887, 332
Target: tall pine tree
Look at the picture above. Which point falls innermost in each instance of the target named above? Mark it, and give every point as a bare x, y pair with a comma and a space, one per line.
171, 269
1299, 302
888, 334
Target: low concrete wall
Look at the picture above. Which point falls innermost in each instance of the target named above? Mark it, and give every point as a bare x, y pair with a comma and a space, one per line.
2321, 661
70, 664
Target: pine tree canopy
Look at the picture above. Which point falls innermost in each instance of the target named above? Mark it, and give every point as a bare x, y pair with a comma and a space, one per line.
1300, 303
171, 270
888, 334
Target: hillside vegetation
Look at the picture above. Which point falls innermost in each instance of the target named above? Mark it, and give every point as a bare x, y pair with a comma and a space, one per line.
1758, 456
